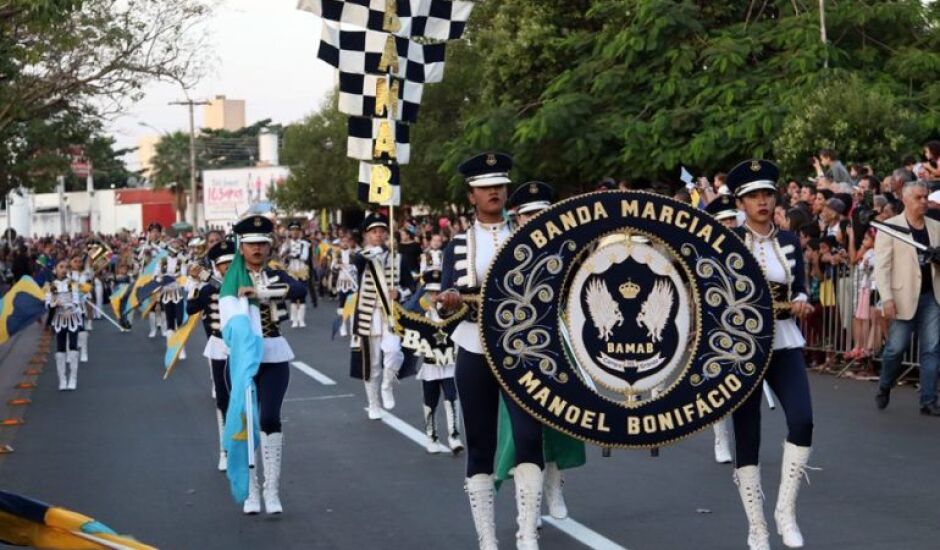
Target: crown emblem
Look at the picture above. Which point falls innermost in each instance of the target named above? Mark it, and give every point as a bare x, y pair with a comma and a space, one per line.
630, 290
755, 166
257, 222
491, 160
533, 189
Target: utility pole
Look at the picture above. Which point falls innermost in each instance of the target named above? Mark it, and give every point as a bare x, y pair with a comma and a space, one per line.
60, 189
192, 155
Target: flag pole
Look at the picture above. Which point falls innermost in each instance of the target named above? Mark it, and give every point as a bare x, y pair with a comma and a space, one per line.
389, 113
250, 425
106, 316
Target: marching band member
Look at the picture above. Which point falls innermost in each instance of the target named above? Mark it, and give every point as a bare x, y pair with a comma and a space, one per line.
205, 299
272, 288
171, 293
63, 298
753, 184
153, 246
433, 257
122, 277
436, 379
466, 261
98, 282
296, 254
561, 452
724, 210
94, 284
345, 275
199, 272
381, 283
79, 278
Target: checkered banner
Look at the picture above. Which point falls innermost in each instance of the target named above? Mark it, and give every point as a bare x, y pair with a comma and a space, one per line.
375, 138
372, 96
375, 52
434, 19
379, 184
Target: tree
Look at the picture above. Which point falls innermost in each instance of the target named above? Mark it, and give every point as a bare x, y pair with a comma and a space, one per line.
93, 53
581, 89
67, 64
640, 87
321, 174
170, 167
232, 149
860, 122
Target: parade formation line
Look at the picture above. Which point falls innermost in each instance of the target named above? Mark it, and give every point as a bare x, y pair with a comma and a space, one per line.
313, 373
578, 531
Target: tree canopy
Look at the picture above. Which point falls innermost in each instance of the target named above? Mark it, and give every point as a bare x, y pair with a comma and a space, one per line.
578, 90
66, 65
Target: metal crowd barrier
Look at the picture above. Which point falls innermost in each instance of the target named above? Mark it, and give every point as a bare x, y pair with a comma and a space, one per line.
830, 329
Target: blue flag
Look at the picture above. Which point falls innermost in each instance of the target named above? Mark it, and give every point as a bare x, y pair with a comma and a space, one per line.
241, 331
22, 305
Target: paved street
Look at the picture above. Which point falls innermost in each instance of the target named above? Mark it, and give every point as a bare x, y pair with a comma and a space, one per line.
139, 454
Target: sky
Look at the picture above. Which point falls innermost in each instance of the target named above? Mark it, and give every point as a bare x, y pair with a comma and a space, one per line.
266, 53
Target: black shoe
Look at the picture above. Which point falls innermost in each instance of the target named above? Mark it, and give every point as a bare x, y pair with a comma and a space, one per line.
930, 410
882, 399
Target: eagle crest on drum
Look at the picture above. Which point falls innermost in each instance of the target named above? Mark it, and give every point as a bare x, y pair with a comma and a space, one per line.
656, 309
604, 310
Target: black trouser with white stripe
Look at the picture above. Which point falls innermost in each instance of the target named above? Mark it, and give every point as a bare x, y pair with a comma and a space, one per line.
479, 394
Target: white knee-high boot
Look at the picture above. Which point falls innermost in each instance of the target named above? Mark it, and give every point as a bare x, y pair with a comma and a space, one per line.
453, 427
481, 491
342, 323
747, 479
99, 298
60, 358
554, 497
152, 318
83, 345
432, 446
301, 313
528, 481
73, 370
223, 455
271, 447
793, 469
252, 504
372, 396
211, 380
293, 315
722, 441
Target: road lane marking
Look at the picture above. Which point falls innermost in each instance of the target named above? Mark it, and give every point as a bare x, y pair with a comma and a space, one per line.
314, 373
582, 533
578, 531
404, 428
409, 431
319, 398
